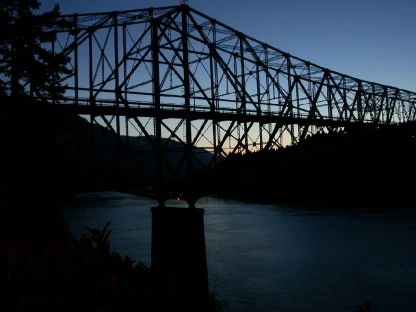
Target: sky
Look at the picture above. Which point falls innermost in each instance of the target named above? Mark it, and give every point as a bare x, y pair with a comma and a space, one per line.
367, 39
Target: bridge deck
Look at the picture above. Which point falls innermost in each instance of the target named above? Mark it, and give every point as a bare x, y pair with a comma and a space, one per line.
170, 111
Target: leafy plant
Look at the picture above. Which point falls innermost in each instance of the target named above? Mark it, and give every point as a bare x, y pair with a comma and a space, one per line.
100, 239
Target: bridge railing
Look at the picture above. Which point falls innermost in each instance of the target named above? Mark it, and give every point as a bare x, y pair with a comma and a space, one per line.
201, 111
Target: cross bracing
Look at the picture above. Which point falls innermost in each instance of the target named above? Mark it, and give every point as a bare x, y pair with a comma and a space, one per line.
175, 74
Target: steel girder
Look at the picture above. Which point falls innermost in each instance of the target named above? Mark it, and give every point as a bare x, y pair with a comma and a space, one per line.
173, 74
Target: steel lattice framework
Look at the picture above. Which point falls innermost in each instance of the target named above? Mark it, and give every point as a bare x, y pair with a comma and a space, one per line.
175, 74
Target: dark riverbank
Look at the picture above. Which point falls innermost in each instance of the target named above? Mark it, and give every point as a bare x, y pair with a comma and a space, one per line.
46, 268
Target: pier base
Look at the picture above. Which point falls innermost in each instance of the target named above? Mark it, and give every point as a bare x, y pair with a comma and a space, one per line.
179, 264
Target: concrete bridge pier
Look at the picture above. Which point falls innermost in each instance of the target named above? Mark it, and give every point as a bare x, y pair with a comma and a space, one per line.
179, 263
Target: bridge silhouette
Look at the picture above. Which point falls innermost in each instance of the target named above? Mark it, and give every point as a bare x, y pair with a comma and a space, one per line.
187, 83
174, 74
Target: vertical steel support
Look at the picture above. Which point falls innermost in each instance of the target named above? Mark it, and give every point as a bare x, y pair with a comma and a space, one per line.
76, 73
400, 110
187, 91
54, 80
360, 102
212, 73
329, 95
243, 90
126, 119
76, 78
237, 100
91, 83
117, 82
384, 102
258, 103
296, 112
156, 103
344, 100
217, 149
289, 100
374, 104
390, 108
266, 64
312, 105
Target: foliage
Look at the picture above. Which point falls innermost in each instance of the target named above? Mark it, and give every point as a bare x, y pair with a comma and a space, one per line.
65, 274
27, 66
366, 307
73, 275
100, 238
337, 169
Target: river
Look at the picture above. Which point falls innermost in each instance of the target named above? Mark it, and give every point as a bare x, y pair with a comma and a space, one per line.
272, 258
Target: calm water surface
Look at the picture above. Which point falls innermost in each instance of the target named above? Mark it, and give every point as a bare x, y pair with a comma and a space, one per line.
273, 258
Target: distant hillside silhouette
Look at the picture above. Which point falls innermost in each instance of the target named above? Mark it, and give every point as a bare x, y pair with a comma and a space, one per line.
65, 154
365, 165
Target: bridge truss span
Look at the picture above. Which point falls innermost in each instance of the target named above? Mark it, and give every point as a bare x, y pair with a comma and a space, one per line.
175, 74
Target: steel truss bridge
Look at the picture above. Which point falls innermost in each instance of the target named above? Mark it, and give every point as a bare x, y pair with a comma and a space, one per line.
175, 74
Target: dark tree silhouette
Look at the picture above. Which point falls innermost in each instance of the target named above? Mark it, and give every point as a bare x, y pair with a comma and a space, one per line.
27, 65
